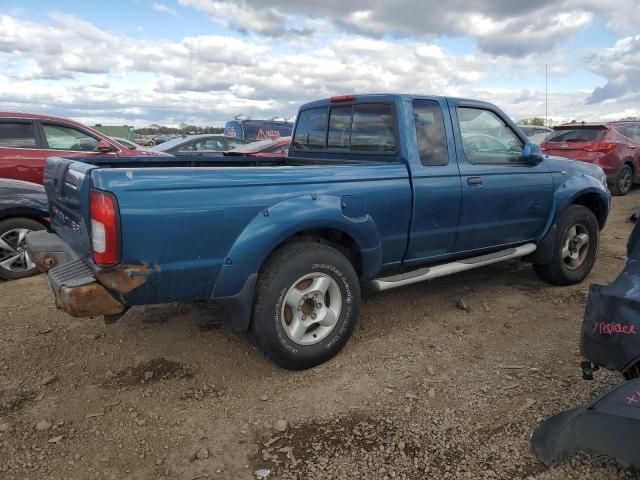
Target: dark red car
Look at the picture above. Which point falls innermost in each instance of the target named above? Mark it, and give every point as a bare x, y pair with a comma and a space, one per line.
27, 140
272, 147
614, 146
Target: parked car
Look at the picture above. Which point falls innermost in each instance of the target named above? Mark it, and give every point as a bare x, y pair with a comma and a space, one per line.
367, 194
256, 130
145, 141
158, 139
125, 142
205, 145
614, 146
27, 139
23, 209
278, 147
531, 130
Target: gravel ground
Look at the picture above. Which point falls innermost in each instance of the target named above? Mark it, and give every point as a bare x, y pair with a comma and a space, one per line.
425, 389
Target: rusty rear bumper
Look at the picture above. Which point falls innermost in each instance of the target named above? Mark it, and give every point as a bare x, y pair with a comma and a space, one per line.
78, 293
78, 289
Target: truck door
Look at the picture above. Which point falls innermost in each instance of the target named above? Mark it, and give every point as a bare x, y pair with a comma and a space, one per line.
436, 181
505, 199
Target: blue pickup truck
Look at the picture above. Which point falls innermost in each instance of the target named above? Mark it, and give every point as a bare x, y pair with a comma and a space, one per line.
377, 190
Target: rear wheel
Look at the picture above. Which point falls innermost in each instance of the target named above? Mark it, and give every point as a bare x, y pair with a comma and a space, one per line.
306, 305
623, 182
15, 262
576, 247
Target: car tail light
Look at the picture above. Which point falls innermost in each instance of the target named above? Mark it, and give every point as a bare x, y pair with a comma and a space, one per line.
343, 98
105, 228
600, 147
544, 147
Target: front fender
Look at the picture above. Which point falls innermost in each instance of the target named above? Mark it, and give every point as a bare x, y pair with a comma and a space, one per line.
568, 193
277, 223
571, 189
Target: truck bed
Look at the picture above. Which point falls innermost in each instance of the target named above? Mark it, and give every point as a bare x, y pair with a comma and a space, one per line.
184, 217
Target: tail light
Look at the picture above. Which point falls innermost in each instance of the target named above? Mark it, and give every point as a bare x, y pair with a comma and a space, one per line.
105, 228
343, 98
544, 147
600, 147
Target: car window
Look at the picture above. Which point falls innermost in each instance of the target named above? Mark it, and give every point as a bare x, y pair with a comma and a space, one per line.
311, 130
209, 145
372, 128
581, 134
430, 133
339, 127
486, 138
629, 131
17, 135
230, 143
67, 138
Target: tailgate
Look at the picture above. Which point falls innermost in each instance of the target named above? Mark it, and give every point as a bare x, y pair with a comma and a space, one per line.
67, 184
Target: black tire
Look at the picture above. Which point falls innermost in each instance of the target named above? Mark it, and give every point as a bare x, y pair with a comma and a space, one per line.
6, 227
280, 274
623, 182
558, 272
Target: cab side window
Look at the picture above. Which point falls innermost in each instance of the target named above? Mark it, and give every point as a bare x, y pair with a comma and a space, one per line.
67, 138
430, 133
486, 139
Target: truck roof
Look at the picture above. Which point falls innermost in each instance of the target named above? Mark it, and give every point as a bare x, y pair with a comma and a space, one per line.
384, 96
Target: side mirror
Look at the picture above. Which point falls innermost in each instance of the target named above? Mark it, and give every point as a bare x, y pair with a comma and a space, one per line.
532, 153
104, 147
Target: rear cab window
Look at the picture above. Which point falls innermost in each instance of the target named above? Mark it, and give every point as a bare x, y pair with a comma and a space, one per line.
18, 134
366, 127
577, 134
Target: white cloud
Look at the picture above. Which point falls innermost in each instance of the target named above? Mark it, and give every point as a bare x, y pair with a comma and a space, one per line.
620, 65
71, 67
164, 8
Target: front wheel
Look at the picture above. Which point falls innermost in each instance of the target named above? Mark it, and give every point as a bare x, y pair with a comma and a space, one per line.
576, 247
306, 305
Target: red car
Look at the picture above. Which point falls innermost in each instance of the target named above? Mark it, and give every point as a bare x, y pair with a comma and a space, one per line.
273, 148
27, 139
614, 146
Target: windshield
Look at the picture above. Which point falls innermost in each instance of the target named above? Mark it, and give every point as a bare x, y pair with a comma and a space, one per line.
583, 134
169, 144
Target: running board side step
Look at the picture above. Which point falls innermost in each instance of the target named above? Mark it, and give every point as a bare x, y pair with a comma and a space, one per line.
428, 273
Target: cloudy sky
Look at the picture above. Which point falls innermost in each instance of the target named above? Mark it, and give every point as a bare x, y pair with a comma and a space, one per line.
203, 61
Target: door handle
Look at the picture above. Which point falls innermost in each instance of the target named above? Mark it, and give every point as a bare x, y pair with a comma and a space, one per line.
632, 146
474, 181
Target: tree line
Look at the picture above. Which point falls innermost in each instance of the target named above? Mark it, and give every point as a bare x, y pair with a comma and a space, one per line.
182, 130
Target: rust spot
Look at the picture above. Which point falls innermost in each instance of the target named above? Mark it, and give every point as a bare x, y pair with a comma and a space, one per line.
44, 261
91, 300
123, 278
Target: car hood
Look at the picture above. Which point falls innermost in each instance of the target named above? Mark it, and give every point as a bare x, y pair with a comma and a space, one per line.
575, 167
